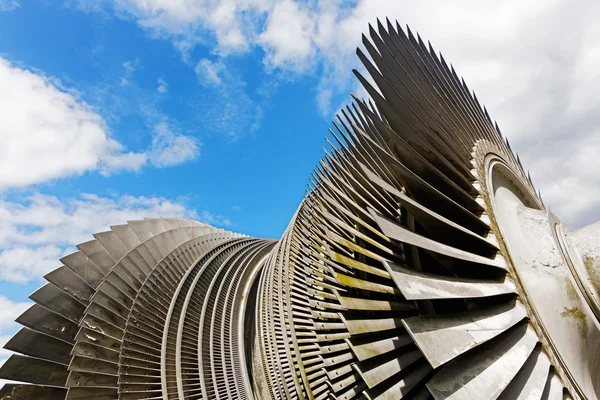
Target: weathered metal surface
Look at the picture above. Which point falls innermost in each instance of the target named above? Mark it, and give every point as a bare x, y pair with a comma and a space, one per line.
416, 285
531, 380
441, 338
486, 371
401, 234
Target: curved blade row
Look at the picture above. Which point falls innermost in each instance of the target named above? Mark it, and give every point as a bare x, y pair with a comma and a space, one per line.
115, 320
393, 282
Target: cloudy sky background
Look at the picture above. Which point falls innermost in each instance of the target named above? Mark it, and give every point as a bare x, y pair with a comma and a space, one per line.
215, 110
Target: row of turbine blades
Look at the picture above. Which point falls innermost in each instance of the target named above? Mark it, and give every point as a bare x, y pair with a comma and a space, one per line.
390, 281
124, 316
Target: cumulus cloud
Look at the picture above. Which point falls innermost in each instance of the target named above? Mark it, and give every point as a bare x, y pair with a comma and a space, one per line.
37, 230
47, 133
232, 23
288, 38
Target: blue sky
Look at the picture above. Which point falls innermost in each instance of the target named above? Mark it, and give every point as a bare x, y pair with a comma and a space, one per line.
256, 146
216, 110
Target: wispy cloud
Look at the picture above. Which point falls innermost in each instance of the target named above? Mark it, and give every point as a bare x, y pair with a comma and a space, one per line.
9, 5
163, 87
224, 105
129, 68
208, 72
166, 149
212, 219
169, 148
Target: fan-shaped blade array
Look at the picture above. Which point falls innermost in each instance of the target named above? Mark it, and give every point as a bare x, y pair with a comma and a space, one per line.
124, 316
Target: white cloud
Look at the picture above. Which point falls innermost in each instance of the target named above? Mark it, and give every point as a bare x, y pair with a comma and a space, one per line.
128, 70
114, 163
48, 133
9, 5
288, 37
208, 72
167, 149
39, 229
163, 87
213, 219
9, 311
171, 149
225, 106
231, 22
21, 264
